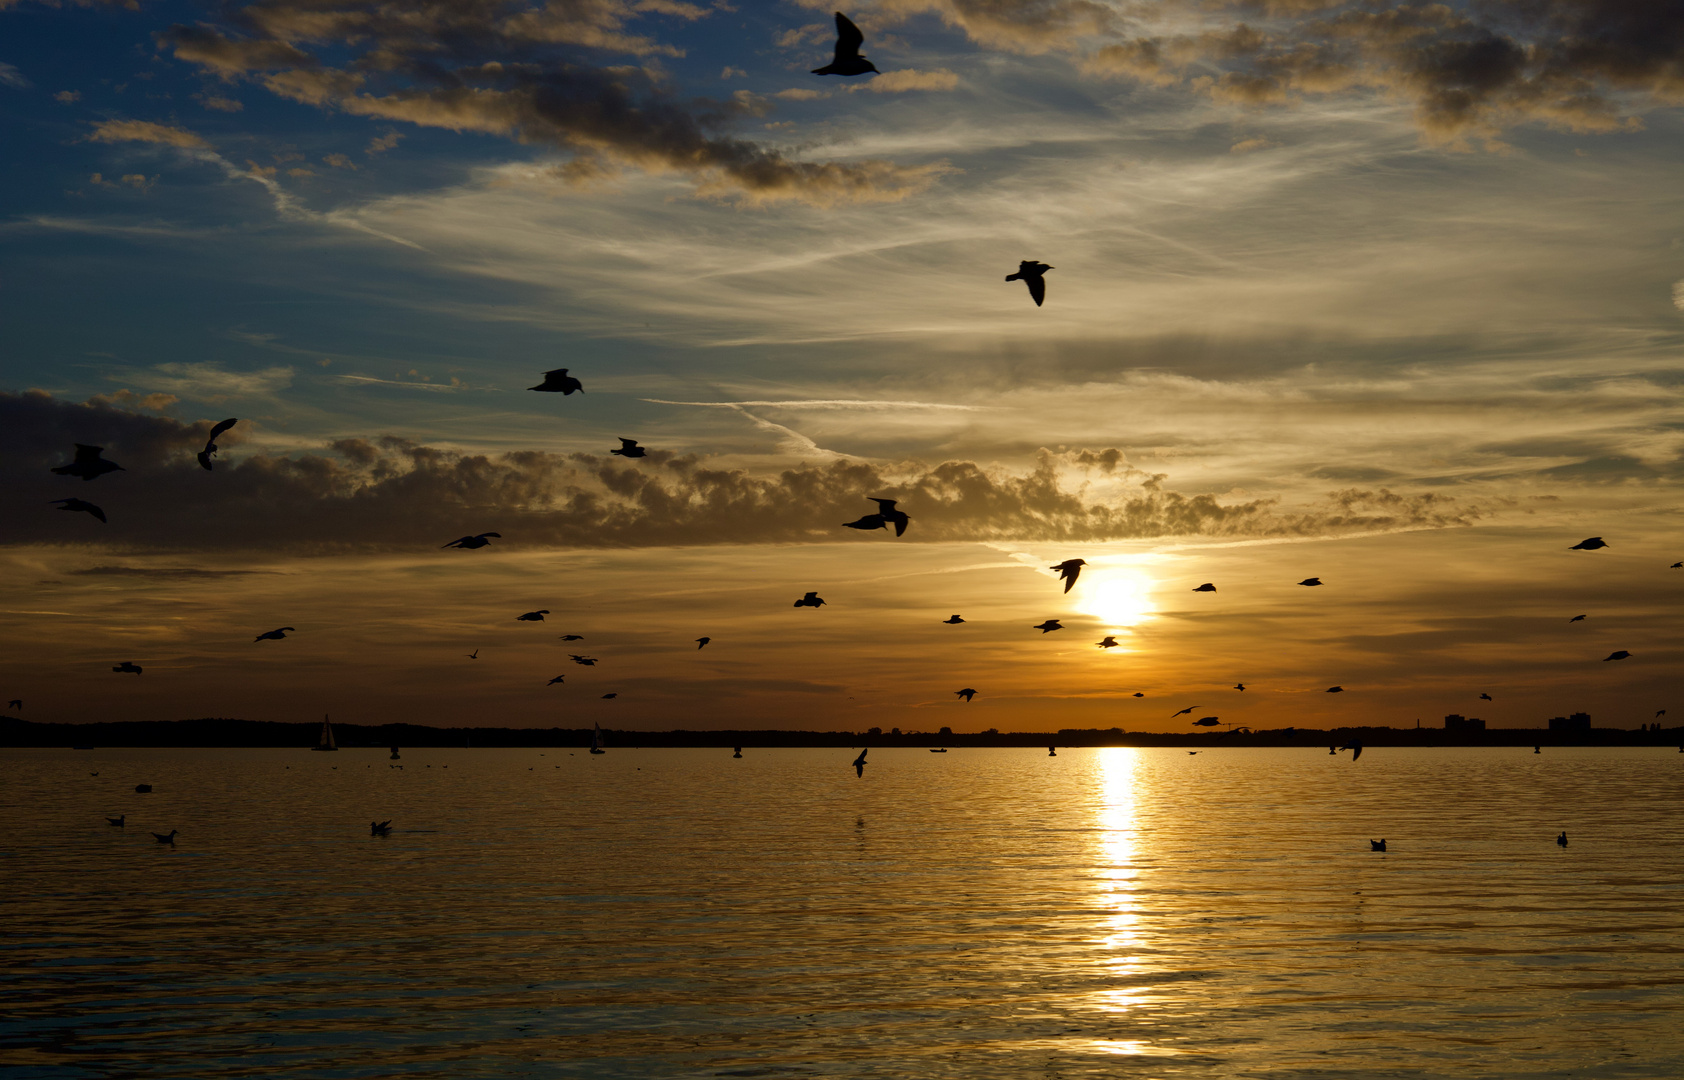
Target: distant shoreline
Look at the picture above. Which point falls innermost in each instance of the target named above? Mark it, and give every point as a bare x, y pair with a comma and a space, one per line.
231, 733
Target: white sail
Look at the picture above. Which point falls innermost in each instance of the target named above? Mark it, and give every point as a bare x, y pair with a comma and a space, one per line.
326, 742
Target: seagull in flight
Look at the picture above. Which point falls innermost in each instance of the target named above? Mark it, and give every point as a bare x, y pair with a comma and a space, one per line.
473, 655
1335, 690
558, 678
1110, 642
702, 643
1138, 694
470, 543
1589, 544
1239, 686
1575, 618
1311, 581
605, 697
859, 762
88, 463
1032, 274
1617, 654
275, 635
1676, 566
898, 518
1485, 697
866, 523
559, 382
1207, 721
848, 61
629, 448
952, 620
1206, 587
1048, 627
533, 616
1069, 570
1353, 745
17, 703
587, 661
128, 667
1183, 712
210, 443
572, 637
81, 505
811, 600
967, 693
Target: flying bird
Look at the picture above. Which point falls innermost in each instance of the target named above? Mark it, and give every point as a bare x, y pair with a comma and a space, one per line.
558, 678
559, 382
1183, 712
469, 543
1048, 627
1239, 686
811, 599
1617, 654
275, 635
1335, 690
859, 762
848, 60
1139, 694
702, 643
1032, 274
952, 620
1069, 570
473, 655
80, 505
586, 661
128, 667
533, 616
1676, 566
88, 463
1206, 721
1311, 581
1575, 618
210, 443
169, 837
1658, 715
1206, 587
1485, 697
967, 693
1354, 746
605, 697
869, 521
629, 448
886, 510
572, 637
1589, 544
1110, 642
17, 703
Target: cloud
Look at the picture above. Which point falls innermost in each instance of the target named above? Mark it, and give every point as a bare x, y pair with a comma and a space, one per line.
220, 103
896, 82
507, 70
167, 573
112, 131
339, 161
210, 383
68, 97
1246, 146
1678, 295
383, 143
11, 76
393, 494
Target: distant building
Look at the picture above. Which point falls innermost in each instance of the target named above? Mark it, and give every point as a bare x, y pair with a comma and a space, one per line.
1577, 722
1458, 722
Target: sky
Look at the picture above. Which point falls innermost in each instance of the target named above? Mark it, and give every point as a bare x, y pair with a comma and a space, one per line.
1386, 294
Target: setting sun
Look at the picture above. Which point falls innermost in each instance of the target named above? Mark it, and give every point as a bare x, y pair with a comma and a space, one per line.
1120, 597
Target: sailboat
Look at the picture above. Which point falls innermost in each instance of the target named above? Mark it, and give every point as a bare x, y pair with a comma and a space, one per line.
596, 741
326, 742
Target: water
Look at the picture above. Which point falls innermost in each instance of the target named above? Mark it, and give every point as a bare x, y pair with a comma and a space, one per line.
981, 913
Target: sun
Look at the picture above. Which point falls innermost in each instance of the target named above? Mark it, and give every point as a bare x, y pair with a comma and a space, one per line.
1119, 597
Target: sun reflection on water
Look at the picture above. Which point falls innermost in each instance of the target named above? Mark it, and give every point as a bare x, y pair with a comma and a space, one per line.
1116, 875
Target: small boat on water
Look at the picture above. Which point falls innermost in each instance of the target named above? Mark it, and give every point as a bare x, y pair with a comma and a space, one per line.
596, 741
326, 742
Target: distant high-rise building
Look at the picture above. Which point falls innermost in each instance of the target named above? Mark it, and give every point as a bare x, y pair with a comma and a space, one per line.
1577, 722
1458, 722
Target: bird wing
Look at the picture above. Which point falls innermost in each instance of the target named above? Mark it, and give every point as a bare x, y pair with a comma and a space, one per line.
1037, 288
94, 510
626, 444
848, 37
220, 428
900, 525
88, 455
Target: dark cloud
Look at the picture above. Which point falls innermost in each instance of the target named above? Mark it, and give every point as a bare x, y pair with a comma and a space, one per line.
391, 494
504, 67
166, 573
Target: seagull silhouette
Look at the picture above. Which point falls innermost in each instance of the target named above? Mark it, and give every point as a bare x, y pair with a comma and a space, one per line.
210, 443
1676, 566
586, 661
1589, 544
848, 60
1239, 686
952, 620
1207, 721
1485, 697
572, 637
1032, 274
1617, 654
702, 643
967, 693
117, 822
469, 543
1561, 841
1353, 745
169, 837
1069, 570
275, 635
17, 703
605, 697
1335, 690
559, 382
558, 678
81, 506
1138, 694
1206, 587
1658, 714
533, 616
629, 448
473, 655
811, 599
1311, 581
1048, 627
859, 762
1377, 845
1575, 618
886, 510
869, 521
1183, 712
128, 667
1110, 642
380, 828
88, 463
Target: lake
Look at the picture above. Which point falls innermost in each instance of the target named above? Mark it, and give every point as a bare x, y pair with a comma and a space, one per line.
980, 913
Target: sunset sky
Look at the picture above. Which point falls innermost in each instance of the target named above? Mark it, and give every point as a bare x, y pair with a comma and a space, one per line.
1391, 295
